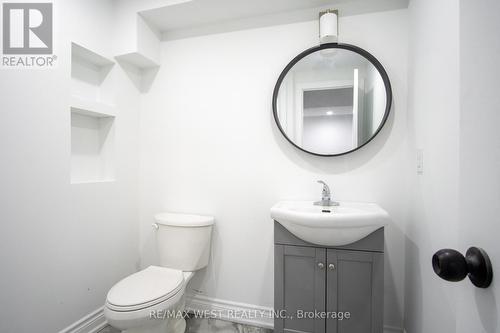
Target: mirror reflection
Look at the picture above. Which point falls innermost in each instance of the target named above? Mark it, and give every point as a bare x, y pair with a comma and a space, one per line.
331, 102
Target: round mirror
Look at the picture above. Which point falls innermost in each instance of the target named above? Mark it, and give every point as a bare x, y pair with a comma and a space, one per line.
332, 99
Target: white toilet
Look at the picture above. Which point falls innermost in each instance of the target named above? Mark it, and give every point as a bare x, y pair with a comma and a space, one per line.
146, 301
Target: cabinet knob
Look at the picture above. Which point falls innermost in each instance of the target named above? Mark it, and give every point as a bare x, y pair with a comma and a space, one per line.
321, 265
331, 267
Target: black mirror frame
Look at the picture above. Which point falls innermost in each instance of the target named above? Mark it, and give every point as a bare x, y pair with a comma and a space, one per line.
349, 47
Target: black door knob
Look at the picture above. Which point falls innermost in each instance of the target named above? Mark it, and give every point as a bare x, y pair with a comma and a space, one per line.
451, 265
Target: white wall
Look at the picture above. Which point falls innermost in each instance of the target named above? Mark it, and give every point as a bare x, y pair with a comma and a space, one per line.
478, 310
433, 124
62, 246
209, 145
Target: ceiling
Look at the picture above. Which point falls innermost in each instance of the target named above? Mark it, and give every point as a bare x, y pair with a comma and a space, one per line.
201, 17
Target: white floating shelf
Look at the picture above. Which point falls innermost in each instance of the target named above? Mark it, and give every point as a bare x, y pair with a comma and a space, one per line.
91, 108
90, 56
138, 60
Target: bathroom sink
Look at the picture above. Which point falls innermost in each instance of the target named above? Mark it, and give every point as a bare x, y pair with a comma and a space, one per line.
330, 225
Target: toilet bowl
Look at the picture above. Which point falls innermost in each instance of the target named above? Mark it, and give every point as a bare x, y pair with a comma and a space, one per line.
153, 299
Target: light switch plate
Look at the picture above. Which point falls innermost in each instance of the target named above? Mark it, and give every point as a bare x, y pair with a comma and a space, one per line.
420, 161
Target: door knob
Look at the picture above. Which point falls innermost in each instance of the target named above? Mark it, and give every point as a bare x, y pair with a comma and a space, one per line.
331, 267
321, 265
451, 265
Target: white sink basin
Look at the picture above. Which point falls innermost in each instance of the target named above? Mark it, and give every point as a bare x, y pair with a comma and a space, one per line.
329, 226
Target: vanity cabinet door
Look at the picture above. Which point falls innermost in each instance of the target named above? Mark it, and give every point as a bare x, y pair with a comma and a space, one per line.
300, 285
355, 285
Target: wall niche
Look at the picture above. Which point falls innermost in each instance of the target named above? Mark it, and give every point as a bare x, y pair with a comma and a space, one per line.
92, 117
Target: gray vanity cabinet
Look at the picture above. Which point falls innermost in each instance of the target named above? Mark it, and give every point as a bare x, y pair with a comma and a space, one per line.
355, 285
302, 286
328, 280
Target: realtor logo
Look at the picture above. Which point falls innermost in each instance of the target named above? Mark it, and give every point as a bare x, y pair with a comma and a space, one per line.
27, 28
27, 37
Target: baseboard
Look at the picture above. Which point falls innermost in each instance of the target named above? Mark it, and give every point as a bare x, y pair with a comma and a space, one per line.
91, 323
224, 308
250, 314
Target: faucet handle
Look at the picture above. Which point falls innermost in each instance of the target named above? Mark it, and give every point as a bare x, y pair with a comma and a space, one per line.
326, 196
326, 188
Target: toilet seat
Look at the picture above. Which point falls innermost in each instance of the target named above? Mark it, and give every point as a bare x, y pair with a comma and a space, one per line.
144, 289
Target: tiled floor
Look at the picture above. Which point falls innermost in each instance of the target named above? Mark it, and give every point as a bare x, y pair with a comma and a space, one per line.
204, 325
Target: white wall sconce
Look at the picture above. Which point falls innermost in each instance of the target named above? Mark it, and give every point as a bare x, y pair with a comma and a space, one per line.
328, 26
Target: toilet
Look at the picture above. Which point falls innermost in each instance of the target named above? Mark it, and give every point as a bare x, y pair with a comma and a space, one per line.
153, 299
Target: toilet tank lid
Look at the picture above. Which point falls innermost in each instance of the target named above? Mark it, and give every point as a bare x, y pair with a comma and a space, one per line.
184, 220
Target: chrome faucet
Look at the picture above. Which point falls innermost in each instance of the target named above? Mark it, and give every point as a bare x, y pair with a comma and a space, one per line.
326, 199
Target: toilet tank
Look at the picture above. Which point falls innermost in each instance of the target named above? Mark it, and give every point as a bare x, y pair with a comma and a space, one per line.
183, 240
